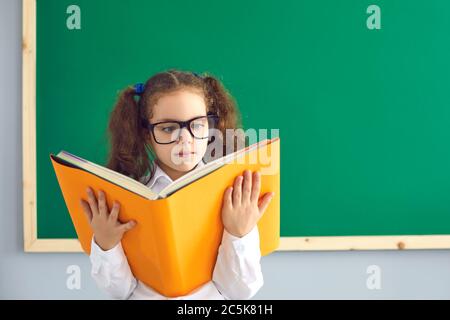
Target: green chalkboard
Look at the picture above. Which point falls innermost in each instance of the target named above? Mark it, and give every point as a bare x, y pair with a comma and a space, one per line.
363, 114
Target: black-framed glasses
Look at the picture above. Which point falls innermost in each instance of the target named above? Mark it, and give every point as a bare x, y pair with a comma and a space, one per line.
166, 132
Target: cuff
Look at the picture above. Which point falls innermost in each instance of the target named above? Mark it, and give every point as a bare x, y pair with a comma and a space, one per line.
114, 256
247, 243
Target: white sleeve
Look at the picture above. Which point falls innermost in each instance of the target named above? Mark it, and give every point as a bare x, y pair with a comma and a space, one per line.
111, 271
237, 273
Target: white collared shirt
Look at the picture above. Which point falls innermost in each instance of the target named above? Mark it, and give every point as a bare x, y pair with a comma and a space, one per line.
237, 273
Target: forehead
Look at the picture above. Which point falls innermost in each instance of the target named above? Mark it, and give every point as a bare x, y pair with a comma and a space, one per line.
179, 105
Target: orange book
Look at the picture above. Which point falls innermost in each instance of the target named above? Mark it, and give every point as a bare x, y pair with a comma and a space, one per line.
174, 246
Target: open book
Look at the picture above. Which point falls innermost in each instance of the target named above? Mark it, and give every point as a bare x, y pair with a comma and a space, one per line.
174, 246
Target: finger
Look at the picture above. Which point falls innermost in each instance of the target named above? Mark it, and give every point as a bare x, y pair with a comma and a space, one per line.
92, 202
264, 203
102, 206
256, 186
127, 226
114, 215
227, 199
237, 190
247, 186
86, 210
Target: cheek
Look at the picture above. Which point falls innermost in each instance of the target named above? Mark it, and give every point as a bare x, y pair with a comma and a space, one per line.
201, 146
162, 152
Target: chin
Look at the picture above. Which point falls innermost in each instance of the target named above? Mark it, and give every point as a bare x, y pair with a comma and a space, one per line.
185, 166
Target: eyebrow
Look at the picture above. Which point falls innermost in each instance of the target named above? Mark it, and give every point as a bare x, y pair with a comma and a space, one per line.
168, 119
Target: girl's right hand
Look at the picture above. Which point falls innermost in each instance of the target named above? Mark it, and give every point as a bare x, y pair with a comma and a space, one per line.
108, 231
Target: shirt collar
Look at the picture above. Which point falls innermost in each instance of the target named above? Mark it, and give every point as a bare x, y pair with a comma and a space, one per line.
160, 174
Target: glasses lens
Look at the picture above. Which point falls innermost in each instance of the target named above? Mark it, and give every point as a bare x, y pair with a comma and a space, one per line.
166, 132
200, 128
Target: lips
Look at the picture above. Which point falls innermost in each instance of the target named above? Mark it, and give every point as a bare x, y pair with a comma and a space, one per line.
185, 154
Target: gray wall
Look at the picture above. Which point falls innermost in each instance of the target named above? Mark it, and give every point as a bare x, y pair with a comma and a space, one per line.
294, 275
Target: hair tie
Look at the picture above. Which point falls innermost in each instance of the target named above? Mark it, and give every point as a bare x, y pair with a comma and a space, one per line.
195, 74
139, 88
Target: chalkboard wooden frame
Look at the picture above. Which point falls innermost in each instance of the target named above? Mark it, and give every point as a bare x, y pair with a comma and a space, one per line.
33, 244
31, 241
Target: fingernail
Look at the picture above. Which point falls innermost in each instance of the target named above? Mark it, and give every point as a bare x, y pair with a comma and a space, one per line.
88, 190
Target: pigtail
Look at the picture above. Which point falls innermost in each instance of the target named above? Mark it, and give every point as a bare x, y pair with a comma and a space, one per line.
223, 104
128, 154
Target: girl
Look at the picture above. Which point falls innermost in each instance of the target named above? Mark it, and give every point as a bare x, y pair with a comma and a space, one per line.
151, 127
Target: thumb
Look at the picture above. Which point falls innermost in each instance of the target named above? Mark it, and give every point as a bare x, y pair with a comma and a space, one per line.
264, 202
127, 226
86, 210
227, 202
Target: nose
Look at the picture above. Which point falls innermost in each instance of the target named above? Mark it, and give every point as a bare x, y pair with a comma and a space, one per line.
185, 135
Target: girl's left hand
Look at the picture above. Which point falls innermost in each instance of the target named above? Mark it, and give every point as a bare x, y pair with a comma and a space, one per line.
241, 208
